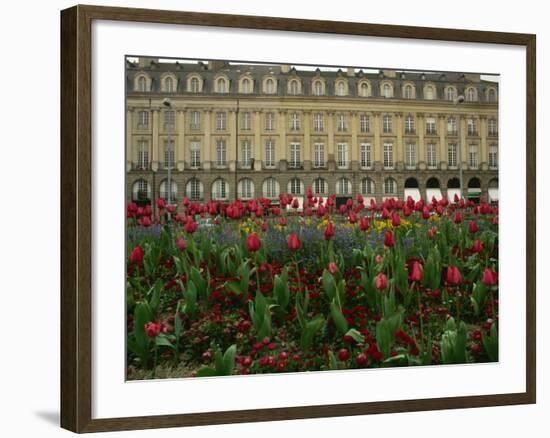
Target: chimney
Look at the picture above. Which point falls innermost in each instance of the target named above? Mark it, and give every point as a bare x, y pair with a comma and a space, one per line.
216, 65
285, 68
351, 72
146, 61
389, 73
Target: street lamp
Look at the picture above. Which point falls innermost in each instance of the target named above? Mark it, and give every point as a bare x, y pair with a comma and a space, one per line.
460, 99
168, 104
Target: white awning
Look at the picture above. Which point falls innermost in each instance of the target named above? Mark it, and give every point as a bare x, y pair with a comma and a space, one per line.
451, 194
433, 193
413, 193
493, 194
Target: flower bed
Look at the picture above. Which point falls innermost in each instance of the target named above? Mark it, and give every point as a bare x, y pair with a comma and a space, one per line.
254, 287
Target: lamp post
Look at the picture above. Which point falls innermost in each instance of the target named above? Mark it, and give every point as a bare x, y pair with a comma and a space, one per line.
168, 104
457, 101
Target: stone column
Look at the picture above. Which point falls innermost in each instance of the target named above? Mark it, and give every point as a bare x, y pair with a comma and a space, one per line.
155, 140
354, 143
257, 146
307, 140
421, 146
442, 141
130, 155
463, 147
330, 136
483, 153
180, 132
232, 147
377, 146
399, 154
207, 161
280, 147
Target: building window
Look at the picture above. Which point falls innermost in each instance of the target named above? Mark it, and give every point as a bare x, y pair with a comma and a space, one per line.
390, 186
364, 89
142, 84
318, 155
164, 191
194, 85
245, 121
472, 127
343, 187
451, 126
269, 153
169, 85
341, 124
245, 188
295, 159
296, 186
408, 92
366, 155
341, 89
342, 161
195, 154
492, 95
221, 121
388, 155
409, 125
472, 156
367, 186
194, 189
410, 155
387, 91
169, 120
270, 86
493, 156
430, 126
269, 121
364, 123
451, 94
141, 190
471, 95
143, 119
318, 122
387, 124
493, 127
451, 155
429, 93
320, 186
431, 156
221, 85
271, 188
142, 155
318, 88
169, 154
220, 190
246, 154
246, 86
295, 122
293, 87
195, 120
221, 153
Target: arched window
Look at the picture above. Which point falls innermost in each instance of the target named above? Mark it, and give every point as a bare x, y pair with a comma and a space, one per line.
451, 93
141, 191
270, 86
493, 190
364, 89
320, 186
245, 188
318, 88
221, 85
492, 95
341, 89
343, 187
142, 84
293, 87
220, 190
367, 186
246, 86
164, 191
169, 85
390, 186
387, 91
270, 188
295, 186
471, 95
408, 92
195, 85
194, 189
453, 183
433, 189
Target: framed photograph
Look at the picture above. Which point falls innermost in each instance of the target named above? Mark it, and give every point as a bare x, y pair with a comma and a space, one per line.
268, 219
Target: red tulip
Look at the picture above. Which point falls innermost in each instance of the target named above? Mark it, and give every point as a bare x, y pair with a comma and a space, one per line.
389, 240
416, 272
145, 221
407, 211
458, 217
160, 203
490, 277
362, 359
282, 221
181, 244
343, 355
455, 198
329, 231
352, 217
171, 209
295, 203
472, 227
253, 242
364, 223
396, 220
431, 232
425, 213
137, 254
381, 282
385, 213
190, 226
477, 247
453, 275
332, 268
360, 199
294, 243
378, 259
264, 227
152, 329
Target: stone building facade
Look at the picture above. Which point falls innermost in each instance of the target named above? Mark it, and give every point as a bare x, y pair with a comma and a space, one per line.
235, 130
